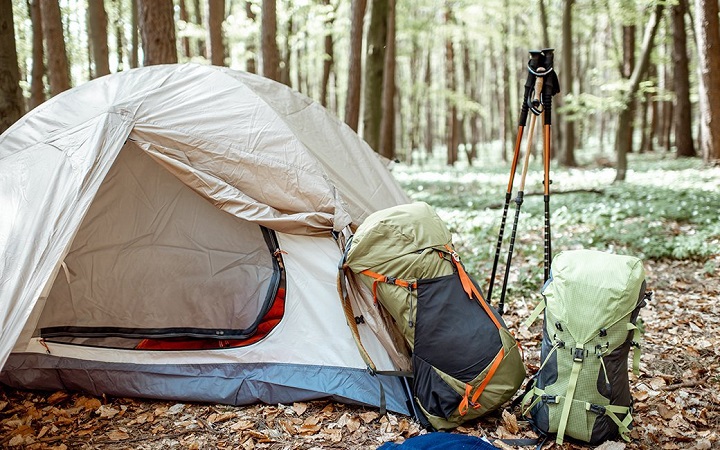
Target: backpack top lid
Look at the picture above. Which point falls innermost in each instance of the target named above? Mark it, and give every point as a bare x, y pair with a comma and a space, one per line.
396, 231
589, 290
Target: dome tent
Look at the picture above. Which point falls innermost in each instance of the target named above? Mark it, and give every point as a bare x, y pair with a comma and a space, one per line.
181, 202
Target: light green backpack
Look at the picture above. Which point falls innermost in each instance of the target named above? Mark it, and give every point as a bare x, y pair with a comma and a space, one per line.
591, 305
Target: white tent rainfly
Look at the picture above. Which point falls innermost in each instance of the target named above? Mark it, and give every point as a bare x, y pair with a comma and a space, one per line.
174, 232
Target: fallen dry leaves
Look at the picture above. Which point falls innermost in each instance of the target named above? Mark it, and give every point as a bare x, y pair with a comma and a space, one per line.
677, 396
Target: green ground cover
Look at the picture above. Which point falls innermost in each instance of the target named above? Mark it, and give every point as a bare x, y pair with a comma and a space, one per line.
667, 209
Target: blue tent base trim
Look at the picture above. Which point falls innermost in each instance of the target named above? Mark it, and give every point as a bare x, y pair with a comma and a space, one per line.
230, 384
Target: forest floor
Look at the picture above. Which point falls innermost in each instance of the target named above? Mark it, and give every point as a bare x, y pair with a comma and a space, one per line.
677, 395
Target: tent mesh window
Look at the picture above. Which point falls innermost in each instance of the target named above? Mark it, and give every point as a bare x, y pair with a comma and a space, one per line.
156, 266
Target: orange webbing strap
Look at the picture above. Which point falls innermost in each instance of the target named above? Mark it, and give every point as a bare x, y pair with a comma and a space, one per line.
488, 377
389, 280
469, 286
467, 401
464, 404
350, 318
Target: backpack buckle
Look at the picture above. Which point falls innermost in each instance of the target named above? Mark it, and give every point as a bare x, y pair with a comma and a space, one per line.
578, 354
597, 409
390, 280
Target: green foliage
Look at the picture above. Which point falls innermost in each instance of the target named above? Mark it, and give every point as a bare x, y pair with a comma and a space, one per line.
667, 209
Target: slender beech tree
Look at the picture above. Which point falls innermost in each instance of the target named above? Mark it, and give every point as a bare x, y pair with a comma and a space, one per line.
352, 102
119, 35
567, 153
11, 100
58, 68
216, 17
374, 68
429, 110
506, 120
98, 23
629, 33
452, 128
387, 125
268, 41
329, 55
185, 41
251, 59
470, 89
37, 85
622, 142
544, 24
286, 58
157, 27
708, 37
198, 19
134, 30
682, 117
414, 99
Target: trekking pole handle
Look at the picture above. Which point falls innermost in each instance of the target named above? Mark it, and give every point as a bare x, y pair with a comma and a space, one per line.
536, 104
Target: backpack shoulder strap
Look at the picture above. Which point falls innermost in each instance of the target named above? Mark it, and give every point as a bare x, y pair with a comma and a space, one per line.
343, 271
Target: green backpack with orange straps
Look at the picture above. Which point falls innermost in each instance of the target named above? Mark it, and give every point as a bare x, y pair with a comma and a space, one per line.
465, 361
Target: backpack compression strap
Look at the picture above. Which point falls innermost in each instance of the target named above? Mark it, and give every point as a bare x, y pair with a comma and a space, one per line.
467, 400
409, 285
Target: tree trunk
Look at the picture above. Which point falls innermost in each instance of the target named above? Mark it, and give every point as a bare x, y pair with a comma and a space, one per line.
88, 47
300, 82
567, 155
251, 61
119, 35
12, 105
506, 121
329, 56
623, 141
682, 111
708, 35
98, 37
414, 109
58, 71
216, 17
352, 103
544, 25
185, 17
452, 129
429, 113
157, 27
471, 143
387, 124
37, 85
645, 125
374, 67
628, 63
134, 29
284, 65
268, 41
668, 125
198, 9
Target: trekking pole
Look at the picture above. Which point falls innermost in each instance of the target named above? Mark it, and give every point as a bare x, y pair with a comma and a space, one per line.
533, 104
551, 87
524, 108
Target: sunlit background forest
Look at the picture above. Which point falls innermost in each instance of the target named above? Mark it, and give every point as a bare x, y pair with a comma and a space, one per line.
438, 86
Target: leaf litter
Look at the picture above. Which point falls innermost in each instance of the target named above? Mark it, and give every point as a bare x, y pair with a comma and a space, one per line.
676, 396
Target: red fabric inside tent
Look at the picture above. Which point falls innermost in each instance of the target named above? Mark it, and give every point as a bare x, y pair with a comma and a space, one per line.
268, 322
